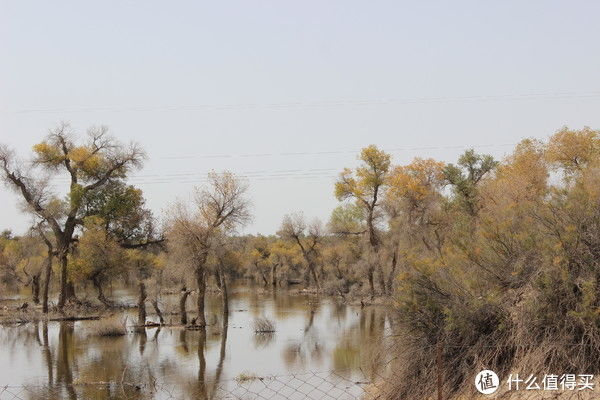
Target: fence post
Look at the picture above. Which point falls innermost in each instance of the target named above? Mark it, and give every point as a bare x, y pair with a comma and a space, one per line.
440, 369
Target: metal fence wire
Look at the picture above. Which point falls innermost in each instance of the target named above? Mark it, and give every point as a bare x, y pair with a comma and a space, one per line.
307, 385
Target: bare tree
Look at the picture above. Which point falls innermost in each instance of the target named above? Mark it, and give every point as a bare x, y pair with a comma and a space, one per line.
308, 238
219, 208
89, 166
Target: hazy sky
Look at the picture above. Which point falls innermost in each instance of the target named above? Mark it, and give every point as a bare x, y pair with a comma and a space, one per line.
239, 85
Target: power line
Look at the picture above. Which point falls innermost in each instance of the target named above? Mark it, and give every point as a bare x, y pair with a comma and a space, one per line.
267, 174
335, 152
313, 104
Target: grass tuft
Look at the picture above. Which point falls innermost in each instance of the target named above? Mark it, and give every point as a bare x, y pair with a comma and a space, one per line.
107, 327
246, 377
263, 325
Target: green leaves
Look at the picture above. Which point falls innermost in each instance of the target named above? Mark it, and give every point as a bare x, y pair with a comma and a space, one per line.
465, 177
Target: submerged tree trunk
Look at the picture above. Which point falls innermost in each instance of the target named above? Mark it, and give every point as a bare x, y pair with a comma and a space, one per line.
62, 260
313, 273
263, 276
274, 275
374, 242
182, 311
70, 293
47, 270
101, 296
371, 282
201, 281
67, 287
142, 305
158, 312
35, 287
225, 294
46, 287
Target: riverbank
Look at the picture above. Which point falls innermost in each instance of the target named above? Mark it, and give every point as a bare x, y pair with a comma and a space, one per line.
19, 310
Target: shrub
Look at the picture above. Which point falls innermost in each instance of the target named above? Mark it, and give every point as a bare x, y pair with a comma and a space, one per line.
263, 325
111, 326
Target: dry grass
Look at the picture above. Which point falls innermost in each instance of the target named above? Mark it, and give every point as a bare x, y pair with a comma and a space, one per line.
107, 327
263, 325
246, 377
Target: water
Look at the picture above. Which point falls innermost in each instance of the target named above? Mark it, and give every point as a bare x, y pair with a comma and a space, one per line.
316, 341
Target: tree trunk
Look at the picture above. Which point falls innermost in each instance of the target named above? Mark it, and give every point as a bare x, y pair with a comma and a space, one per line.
182, 311
101, 297
274, 275
371, 283
263, 276
218, 277
70, 294
201, 281
314, 275
46, 287
35, 287
158, 312
374, 242
373, 239
142, 305
338, 274
225, 294
390, 282
62, 259
382, 284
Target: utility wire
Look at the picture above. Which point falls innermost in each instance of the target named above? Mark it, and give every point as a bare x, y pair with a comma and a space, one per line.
335, 152
312, 104
267, 175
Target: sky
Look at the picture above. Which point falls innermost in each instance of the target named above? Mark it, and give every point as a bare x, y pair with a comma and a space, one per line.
286, 93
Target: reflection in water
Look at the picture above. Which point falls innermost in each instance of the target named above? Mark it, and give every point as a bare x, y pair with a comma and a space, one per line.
225, 329
201, 364
312, 335
183, 345
143, 338
263, 339
65, 359
47, 354
361, 348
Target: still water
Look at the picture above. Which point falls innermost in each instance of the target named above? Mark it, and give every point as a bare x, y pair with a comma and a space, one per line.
318, 346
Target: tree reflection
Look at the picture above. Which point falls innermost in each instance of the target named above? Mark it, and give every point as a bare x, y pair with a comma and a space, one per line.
65, 358
143, 338
79, 364
183, 345
361, 344
219, 371
201, 364
47, 354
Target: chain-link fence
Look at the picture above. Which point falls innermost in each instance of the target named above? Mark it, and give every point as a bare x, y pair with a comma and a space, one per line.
306, 385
